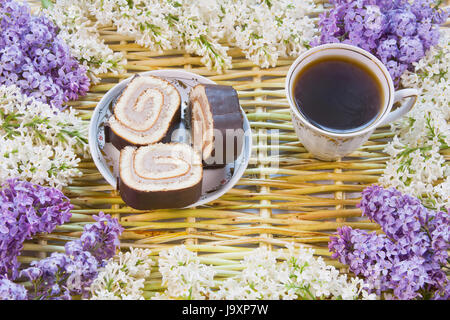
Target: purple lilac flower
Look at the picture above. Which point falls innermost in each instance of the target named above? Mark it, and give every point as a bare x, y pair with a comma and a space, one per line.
46, 275
388, 49
402, 22
408, 277
11, 291
27, 209
398, 32
407, 260
368, 255
63, 275
35, 59
99, 238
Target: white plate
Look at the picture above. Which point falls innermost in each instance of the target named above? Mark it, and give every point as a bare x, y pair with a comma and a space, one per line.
216, 182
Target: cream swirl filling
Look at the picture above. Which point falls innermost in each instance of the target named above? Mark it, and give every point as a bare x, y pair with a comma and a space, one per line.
152, 167
143, 113
145, 110
160, 167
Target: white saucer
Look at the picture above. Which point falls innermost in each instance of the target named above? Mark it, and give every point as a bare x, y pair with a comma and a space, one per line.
216, 182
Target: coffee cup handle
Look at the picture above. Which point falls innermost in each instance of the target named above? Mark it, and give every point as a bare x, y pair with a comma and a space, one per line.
411, 95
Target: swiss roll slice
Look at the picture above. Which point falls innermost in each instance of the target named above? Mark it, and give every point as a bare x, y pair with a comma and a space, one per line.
217, 123
144, 112
160, 176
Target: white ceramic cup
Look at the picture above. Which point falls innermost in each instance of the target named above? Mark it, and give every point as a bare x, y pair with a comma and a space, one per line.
326, 145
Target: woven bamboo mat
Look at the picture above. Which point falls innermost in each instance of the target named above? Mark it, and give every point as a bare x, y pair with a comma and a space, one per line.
284, 196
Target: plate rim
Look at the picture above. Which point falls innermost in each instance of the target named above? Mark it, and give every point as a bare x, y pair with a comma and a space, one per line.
106, 173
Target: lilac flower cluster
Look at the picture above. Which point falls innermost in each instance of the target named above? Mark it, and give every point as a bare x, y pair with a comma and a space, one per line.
406, 261
63, 275
35, 59
11, 291
100, 238
398, 32
26, 209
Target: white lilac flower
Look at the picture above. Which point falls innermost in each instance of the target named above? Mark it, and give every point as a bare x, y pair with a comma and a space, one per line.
293, 275
38, 143
416, 166
266, 274
183, 275
261, 278
268, 30
263, 30
80, 33
123, 277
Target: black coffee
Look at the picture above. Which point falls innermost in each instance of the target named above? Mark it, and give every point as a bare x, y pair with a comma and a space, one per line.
338, 95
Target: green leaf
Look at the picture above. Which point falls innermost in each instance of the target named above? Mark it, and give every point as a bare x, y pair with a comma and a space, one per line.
46, 3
